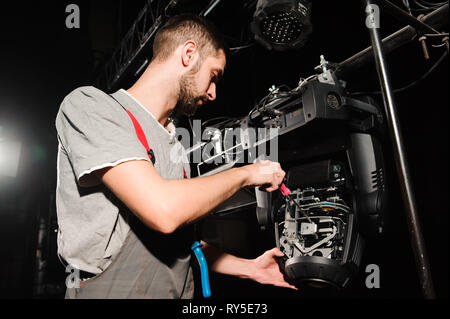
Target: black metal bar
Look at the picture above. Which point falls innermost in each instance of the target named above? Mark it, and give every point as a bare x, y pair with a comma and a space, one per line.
404, 16
436, 19
416, 237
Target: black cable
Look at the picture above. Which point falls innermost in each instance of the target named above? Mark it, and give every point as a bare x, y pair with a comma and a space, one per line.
423, 77
408, 6
421, 10
421, 5
426, 6
432, 4
242, 47
273, 95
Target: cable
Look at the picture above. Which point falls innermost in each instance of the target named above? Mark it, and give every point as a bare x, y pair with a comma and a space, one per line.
436, 35
438, 45
421, 5
304, 81
423, 77
424, 5
432, 4
276, 94
408, 7
239, 48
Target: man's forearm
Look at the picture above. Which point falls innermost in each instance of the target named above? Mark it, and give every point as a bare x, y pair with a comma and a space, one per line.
224, 263
190, 199
165, 205
263, 269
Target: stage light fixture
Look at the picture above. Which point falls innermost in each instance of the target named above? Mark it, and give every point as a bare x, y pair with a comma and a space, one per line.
282, 24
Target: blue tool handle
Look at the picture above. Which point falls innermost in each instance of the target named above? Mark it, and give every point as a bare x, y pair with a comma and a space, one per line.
206, 289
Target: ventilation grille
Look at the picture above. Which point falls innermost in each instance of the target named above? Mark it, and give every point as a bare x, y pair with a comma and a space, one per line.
378, 179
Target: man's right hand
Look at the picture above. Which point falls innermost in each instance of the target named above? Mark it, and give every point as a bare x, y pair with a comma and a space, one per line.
266, 174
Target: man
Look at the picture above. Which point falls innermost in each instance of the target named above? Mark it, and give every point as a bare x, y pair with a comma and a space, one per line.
125, 219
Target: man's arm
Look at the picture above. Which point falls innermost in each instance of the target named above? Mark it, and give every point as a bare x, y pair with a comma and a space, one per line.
166, 205
263, 269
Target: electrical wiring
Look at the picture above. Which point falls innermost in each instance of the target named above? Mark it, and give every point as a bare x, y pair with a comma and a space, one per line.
275, 93
433, 3
429, 5
242, 47
436, 35
412, 84
262, 104
423, 5
326, 204
407, 6
438, 45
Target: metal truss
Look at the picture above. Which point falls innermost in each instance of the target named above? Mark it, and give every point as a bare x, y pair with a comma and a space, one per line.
137, 38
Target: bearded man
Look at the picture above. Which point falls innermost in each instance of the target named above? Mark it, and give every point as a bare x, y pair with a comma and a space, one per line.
125, 207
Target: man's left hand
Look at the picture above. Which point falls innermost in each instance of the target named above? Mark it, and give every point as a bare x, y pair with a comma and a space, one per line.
267, 270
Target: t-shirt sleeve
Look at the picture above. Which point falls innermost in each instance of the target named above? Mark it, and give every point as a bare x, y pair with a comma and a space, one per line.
96, 132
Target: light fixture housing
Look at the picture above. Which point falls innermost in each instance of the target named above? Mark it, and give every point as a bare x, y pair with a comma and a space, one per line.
282, 24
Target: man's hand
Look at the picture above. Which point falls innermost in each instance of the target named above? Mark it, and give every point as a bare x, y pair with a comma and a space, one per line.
266, 174
267, 271
264, 269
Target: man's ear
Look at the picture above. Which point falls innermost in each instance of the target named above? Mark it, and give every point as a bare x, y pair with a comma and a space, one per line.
189, 53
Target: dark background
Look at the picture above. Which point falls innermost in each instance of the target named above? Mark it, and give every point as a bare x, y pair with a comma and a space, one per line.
41, 61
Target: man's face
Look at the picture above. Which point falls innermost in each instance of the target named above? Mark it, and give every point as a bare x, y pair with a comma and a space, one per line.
198, 85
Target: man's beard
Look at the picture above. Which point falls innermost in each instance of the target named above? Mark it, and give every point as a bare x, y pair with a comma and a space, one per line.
188, 100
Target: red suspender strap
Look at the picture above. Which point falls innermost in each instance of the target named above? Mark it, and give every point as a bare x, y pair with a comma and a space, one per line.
140, 133
141, 136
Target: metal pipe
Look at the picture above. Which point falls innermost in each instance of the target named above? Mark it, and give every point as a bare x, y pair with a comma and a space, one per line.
209, 8
436, 19
404, 16
416, 237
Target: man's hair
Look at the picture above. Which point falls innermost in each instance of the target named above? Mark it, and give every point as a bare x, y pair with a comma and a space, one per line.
187, 26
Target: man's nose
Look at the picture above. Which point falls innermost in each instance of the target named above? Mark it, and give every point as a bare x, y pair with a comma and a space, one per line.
211, 92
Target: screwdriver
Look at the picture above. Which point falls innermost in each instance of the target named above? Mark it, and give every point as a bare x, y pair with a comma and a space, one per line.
287, 193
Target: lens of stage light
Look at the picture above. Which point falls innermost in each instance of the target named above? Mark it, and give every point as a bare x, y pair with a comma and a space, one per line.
282, 24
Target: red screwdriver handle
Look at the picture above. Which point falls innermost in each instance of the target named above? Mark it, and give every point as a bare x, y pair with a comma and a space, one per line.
284, 190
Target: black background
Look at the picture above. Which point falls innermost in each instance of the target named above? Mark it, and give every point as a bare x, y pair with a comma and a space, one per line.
41, 61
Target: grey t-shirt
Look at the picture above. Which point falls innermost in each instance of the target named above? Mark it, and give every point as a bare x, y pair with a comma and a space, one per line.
94, 132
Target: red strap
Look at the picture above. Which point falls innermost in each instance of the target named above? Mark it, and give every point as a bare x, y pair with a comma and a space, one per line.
143, 139
140, 133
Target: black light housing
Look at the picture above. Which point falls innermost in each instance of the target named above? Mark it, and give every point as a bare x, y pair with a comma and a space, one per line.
282, 24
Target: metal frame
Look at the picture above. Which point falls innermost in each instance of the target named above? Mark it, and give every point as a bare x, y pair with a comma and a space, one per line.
136, 40
416, 236
435, 19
